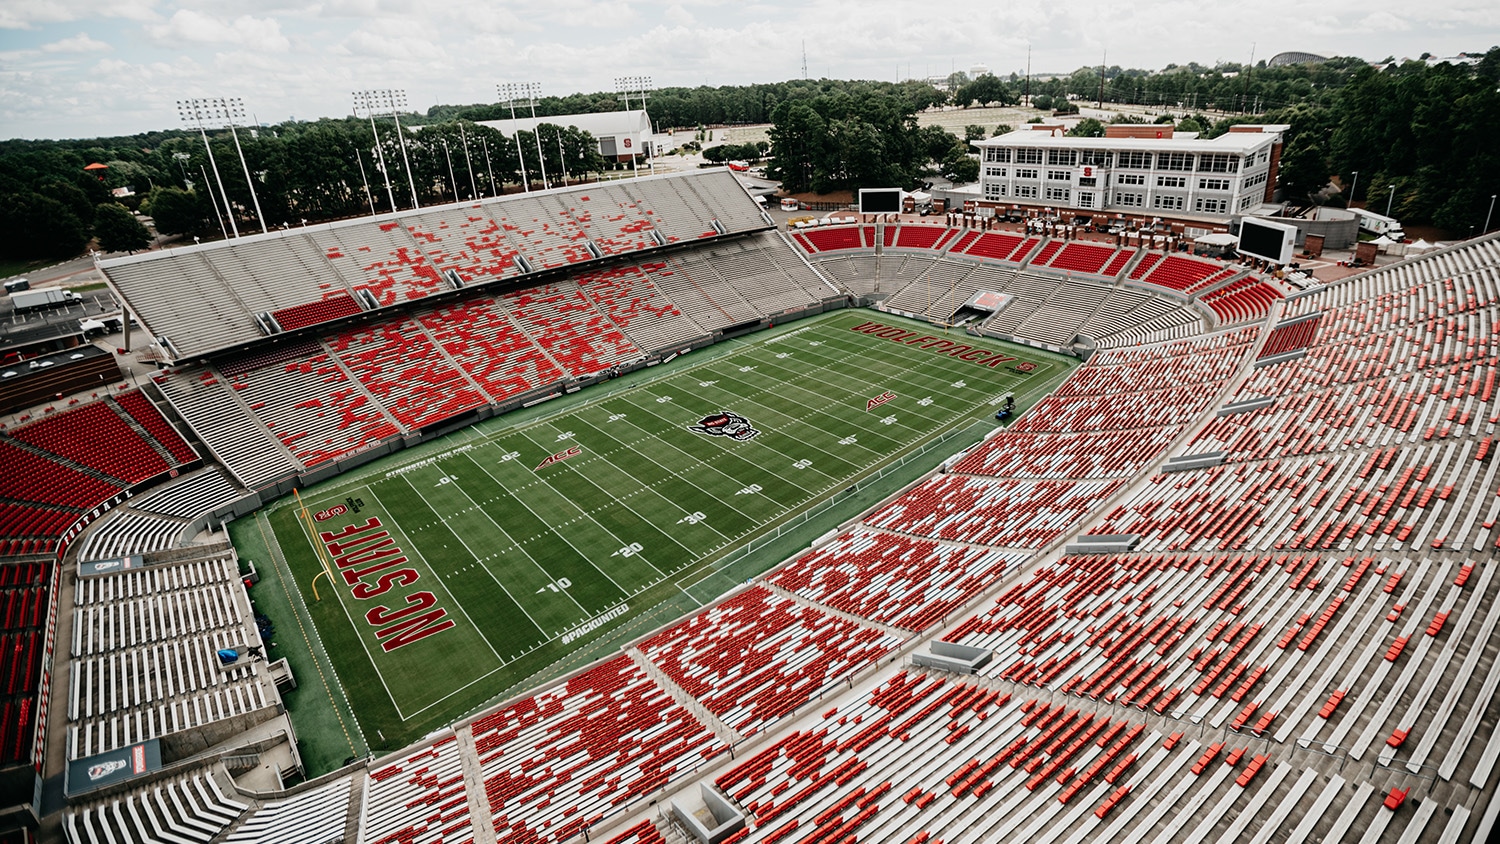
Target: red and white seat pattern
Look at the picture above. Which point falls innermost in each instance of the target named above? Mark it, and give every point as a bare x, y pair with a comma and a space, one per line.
565, 758
892, 579
406, 373
756, 657
1005, 512
420, 798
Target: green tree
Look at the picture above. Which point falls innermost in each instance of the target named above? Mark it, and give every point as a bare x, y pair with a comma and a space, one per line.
118, 230
973, 132
1003, 129
987, 89
1087, 128
798, 136
961, 167
36, 226
176, 211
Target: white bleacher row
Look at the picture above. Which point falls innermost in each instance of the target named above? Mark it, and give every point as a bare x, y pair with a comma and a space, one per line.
190, 495
1473, 262
420, 798
190, 809
317, 816
124, 532
123, 698
128, 622
151, 580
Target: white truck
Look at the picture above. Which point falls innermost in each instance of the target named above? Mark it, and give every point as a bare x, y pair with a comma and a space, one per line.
49, 297
1378, 224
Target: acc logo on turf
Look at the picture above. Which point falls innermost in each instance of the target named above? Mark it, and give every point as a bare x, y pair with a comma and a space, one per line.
726, 424
560, 457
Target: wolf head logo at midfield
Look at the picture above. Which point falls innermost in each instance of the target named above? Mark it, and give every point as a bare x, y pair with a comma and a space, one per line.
726, 424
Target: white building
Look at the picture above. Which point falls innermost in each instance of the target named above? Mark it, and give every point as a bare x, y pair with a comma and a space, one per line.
619, 133
1140, 169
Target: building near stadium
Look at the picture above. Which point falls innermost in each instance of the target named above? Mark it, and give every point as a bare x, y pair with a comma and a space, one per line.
1133, 169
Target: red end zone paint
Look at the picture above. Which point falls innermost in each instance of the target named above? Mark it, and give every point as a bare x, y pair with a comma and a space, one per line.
360, 551
879, 400
936, 345
559, 457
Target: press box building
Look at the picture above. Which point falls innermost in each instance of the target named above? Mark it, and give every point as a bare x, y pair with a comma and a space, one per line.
1133, 169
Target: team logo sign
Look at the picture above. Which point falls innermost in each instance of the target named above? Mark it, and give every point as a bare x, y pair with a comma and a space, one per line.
104, 769
726, 424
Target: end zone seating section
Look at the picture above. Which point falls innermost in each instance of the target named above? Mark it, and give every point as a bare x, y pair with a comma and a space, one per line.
143, 663
194, 806
25, 598
833, 238
1080, 257
756, 657
571, 755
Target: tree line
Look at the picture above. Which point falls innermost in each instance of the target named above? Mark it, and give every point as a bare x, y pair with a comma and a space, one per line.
301, 172
1425, 131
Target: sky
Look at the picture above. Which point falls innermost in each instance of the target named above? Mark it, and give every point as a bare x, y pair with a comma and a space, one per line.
89, 68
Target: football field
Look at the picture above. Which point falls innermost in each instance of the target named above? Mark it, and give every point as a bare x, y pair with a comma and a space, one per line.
443, 576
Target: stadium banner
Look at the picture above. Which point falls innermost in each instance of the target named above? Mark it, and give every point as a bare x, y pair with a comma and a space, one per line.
116, 766
114, 565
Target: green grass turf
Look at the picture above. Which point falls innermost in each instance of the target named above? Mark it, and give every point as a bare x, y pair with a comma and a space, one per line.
644, 522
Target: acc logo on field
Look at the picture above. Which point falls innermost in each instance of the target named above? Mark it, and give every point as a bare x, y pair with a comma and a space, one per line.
879, 400
726, 424
104, 769
560, 456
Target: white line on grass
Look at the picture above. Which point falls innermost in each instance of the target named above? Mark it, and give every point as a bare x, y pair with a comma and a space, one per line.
620, 501
555, 532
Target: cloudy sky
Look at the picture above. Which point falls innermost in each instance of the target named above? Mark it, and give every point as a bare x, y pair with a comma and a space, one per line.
85, 68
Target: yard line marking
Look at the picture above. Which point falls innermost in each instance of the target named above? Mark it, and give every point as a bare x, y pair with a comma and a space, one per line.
557, 533
574, 466
503, 532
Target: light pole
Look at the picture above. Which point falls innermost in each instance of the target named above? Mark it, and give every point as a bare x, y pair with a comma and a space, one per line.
1389, 200
392, 100
223, 111
452, 180
463, 138
190, 115
213, 203
1489, 214
507, 93
360, 159
527, 92
1352, 186
624, 85
362, 102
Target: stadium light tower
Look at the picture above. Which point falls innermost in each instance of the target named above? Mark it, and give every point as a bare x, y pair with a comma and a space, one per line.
217, 112
360, 103
506, 94
381, 101
526, 93
1390, 199
360, 159
189, 116
1489, 214
641, 85
1352, 185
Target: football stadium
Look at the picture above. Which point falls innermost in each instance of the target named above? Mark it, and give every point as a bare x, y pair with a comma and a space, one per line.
616, 512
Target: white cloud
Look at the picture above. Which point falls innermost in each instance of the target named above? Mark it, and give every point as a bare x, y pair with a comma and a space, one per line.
28, 14
187, 25
80, 43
